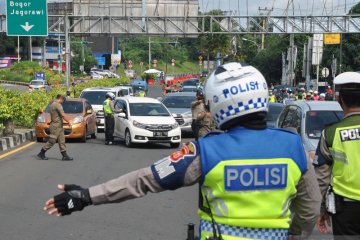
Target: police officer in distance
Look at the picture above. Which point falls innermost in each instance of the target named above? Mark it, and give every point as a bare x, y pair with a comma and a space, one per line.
197, 107
338, 162
109, 111
238, 170
206, 123
56, 129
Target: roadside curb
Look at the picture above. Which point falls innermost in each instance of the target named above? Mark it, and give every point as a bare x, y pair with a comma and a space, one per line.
18, 138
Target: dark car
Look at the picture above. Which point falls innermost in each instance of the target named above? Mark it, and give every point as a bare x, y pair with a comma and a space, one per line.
273, 114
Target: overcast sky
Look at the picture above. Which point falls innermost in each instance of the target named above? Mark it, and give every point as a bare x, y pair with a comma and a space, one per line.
301, 7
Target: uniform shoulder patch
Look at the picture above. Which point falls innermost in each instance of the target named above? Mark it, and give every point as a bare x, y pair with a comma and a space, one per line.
170, 171
187, 150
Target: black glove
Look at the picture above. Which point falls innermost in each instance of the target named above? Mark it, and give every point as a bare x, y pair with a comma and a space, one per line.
74, 198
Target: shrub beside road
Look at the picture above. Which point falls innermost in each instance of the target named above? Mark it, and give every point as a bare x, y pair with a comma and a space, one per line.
21, 108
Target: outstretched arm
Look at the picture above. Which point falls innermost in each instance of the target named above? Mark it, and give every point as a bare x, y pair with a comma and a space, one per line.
181, 168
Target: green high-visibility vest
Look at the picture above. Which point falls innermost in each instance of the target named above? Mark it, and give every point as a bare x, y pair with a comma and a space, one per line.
247, 185
141, 94
106, 106
343, 139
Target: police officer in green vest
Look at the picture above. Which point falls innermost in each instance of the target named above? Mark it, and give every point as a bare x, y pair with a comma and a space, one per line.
249, 175
141, 92
338, 163
109, 111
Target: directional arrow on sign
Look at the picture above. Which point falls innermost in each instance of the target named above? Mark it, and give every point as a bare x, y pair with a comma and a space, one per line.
27, 27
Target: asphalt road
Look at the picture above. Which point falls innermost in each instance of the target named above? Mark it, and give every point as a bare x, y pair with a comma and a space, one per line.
26, 183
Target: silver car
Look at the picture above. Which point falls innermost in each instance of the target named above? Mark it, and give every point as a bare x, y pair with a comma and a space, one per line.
309, 119
179, 104
39, 85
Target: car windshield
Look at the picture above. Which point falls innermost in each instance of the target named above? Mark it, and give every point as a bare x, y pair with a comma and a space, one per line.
191, 89
190, 83
95, 97
179, 101
148, 109
316, 121
70, 107
35, 82
138, 88
274, 112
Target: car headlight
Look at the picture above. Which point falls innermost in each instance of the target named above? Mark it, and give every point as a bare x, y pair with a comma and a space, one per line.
187, 115
41, 119
78, 119
175, 125
100, 113
139, 125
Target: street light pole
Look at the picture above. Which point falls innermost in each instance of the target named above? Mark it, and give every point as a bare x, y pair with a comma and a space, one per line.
248, 40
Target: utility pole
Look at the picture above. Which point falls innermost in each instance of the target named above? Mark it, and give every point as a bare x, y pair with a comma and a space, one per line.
267, 12
83, 53
291, 60
149, 52
18, 50
30, 48
67, 54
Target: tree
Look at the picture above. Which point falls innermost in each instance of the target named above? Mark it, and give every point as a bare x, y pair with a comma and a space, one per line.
211, 44
77, 61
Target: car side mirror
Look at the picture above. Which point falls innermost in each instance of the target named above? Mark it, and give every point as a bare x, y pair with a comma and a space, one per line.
292, 129
122, 115
89, 111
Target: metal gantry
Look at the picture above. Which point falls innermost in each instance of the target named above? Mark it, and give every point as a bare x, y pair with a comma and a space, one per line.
193, 26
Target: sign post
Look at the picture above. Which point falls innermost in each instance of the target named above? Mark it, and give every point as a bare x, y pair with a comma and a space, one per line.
26, 18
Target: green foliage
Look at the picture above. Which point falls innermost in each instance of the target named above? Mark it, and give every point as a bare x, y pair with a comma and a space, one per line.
23, 107
77, 60
163, 49
210, 44
24, 72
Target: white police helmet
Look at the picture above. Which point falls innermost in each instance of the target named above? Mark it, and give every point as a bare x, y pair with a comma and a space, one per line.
233, 90
347, 77
110, 95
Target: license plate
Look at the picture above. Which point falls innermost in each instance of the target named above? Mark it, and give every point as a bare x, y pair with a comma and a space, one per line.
160, 134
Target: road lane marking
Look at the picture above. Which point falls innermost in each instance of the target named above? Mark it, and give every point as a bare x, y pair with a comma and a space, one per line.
17, 150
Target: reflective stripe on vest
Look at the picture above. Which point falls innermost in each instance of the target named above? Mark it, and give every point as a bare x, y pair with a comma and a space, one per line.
242, 169
236, 233
106, 106
345, 151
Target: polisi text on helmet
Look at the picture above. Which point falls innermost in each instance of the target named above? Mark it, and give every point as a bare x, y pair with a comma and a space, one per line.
241, 88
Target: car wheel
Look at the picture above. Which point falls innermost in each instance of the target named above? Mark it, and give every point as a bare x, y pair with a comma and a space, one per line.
175, 145
39, 139
128, 142
93, 136
84, 137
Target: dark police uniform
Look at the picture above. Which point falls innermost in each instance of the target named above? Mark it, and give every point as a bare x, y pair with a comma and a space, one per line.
56, 127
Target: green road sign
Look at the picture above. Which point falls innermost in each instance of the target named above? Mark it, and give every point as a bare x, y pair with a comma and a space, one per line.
26, 18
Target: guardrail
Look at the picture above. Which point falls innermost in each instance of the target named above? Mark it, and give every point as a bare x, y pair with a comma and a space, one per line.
27, 84
14, 83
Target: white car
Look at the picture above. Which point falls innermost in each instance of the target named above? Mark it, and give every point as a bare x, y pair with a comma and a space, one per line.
39, 85
95, 75
145, 120
96, 97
